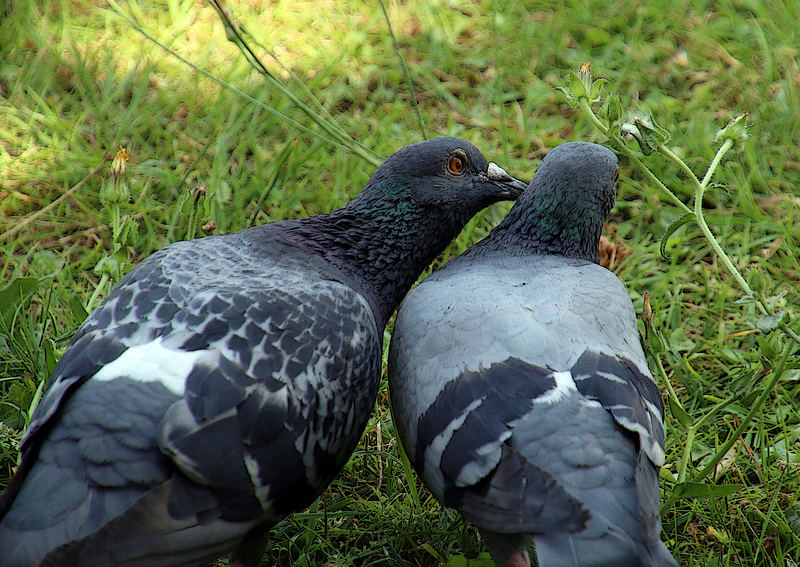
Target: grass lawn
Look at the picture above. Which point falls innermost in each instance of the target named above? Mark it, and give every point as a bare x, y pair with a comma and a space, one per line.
214, 147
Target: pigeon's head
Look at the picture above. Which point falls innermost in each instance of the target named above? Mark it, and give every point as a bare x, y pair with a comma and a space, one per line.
440, 177
563, 209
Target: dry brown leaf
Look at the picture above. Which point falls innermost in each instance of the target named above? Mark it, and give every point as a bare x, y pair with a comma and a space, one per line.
612, 253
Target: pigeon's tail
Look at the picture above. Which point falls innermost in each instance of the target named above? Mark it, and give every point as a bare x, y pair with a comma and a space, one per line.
146, 534
613, 548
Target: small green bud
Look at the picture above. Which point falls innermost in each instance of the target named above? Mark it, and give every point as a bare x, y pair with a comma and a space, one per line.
581, 85
653, 341
577, 84
647, 310
755, 279
646, 132
108, 265
585, 76
612, 109
115, 191
719, 535
736, 130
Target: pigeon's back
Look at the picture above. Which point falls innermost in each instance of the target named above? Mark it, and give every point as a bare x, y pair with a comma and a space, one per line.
477, 311
216, 360
499, 359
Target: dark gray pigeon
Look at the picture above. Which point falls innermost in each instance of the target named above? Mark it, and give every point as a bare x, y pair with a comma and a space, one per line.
519, 387
225, 381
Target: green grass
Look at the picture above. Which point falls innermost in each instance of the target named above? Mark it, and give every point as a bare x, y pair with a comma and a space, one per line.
77, 81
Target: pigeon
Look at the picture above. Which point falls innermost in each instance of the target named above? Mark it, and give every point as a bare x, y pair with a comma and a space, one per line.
225, 381
519, 387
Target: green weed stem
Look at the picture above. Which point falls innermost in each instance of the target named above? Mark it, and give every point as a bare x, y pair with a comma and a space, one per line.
697, 211
620, 144
97, 291
234, 35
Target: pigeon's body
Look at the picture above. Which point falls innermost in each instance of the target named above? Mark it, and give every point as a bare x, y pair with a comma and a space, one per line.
225, 381
520, 389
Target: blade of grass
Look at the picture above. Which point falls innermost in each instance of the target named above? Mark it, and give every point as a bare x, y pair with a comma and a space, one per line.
339, 140
406, 74
234, 33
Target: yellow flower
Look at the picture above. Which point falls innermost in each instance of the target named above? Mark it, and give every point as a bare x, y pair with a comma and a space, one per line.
118, 165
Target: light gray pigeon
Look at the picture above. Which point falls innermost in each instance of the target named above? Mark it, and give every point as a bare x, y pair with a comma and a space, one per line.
225, 381
519, 387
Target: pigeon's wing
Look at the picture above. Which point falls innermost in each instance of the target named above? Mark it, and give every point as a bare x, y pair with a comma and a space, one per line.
479, 348
466, 437
103, 338
234, 397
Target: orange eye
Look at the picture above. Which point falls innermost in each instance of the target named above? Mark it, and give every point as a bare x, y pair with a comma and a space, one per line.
616, 175
457, 164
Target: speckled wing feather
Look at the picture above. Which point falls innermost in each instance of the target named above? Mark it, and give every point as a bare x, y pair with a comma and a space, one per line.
210, 390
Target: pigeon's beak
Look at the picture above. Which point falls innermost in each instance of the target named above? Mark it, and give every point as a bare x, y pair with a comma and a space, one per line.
511, 187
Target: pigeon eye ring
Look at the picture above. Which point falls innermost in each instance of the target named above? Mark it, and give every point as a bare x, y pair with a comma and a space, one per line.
457, 164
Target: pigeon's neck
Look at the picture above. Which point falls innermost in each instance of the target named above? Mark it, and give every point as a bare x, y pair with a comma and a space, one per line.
383, 250
551, 235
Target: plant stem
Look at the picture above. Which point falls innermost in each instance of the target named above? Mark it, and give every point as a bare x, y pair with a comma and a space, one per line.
701, 222
93, 299
115, 228
687, 454
700, 187
664, 378
28, 220
623, 147
406, 74
723, 149
682, 164
339, 137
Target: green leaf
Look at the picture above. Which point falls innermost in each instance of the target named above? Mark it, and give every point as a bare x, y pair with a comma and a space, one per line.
768, 323
611, 110
109, 266
675, 225
677, 411
768, 347
50, 357
777, 297
703, 490
483, 560
755, 279
129, 234
78, 310
573, 102
655, 341
15, 297
597, 86
576, 87
438, 556
736, 130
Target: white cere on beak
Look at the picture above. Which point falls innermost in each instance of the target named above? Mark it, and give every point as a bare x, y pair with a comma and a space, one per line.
497, 173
